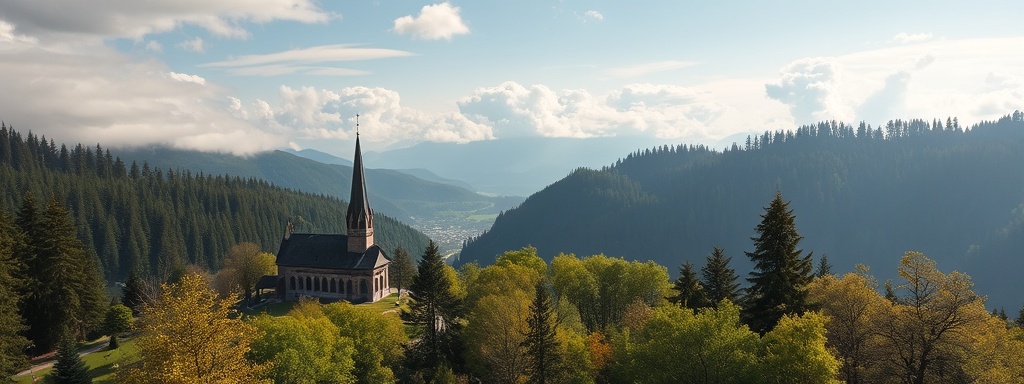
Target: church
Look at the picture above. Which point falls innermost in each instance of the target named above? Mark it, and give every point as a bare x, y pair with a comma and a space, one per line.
333, 266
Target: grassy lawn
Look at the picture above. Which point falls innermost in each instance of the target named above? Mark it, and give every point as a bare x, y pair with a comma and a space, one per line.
101, 363
282, 308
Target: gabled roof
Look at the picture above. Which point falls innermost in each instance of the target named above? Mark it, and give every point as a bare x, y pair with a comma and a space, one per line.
328, 252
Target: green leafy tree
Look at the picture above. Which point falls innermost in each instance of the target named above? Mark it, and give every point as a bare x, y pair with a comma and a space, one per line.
542, 346
526, 257
402, 270
118, 320
780, 276
795, 352
69, 368
13, 343
602, 287
719, 279
436, 304
690, 291
303, 347
853, 305
377, 338
495, 336
677, 346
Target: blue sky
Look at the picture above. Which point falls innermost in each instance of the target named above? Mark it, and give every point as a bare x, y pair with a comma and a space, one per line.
244, 76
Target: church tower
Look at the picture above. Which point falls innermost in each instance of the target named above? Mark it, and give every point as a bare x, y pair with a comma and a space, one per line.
359, 219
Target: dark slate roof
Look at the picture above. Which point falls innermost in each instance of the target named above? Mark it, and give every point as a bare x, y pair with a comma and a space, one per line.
359, 215
327, 251
267, 282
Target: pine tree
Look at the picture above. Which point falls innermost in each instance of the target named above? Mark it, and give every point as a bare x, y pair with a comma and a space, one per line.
434, 306
133, 294
1019, 322
781, 274
75, 296
690, 290
12, 342
69, 368
890, 292
719, 279
824, 268
402, 269
542, 347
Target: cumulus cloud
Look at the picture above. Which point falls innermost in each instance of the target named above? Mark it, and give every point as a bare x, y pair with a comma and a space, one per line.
304, 60
907, 38
59, 19
661, 110
184, 77
593, 15
195, 45
810, 87
648, 68
435, 22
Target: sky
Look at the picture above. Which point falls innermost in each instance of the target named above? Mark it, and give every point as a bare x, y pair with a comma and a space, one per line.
245, 76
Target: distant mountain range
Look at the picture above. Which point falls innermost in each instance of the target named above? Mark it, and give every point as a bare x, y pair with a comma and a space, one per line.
860, 195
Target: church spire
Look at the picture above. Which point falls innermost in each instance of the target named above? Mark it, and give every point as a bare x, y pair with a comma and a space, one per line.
359, 218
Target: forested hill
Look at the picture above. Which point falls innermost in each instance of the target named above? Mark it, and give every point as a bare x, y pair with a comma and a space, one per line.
134, 216
860, 195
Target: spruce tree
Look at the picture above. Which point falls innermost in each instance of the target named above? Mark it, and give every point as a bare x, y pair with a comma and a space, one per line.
824, 268
133, 294
75, 297
434, 307
1019, 322
781, 274
719, 279
69, 368
12, 342
402, 269
690, 290
542, 347
30, 225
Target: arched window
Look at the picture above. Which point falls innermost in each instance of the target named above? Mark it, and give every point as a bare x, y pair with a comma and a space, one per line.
292, 281
334, 286
316, 284
362, 286
349, 287
309, 284
323, 283
301, 287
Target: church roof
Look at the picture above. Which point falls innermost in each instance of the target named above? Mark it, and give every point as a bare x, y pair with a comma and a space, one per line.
359, 215
328, 252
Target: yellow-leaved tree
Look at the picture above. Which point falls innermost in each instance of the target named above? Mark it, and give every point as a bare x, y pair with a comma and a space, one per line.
192, 336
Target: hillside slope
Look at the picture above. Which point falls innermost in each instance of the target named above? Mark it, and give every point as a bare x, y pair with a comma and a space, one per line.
860, 195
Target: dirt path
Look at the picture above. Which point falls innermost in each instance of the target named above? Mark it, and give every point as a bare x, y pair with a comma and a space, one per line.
36, 368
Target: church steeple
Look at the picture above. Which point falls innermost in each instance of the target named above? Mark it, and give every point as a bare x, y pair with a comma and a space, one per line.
359, 218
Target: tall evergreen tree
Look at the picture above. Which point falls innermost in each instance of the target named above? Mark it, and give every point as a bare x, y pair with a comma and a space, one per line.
781, 274
824, 268
434, 307
133, 294
719, 279
12, 342
75, 295
542, 345
29, 223
402, 269
690, 290
69, 368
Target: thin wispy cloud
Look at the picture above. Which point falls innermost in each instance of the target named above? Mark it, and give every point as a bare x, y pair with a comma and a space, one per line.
195, 45
593, 15
648, 68
301, 60
435, 22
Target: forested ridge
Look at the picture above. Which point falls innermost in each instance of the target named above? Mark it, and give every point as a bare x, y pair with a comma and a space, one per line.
133, 216
862, 194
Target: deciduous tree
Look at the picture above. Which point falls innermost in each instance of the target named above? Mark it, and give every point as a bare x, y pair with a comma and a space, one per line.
249, 264
303, 348
377, 338
189, 335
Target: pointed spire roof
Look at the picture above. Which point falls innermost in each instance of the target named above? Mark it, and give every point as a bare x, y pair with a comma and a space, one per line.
359, 216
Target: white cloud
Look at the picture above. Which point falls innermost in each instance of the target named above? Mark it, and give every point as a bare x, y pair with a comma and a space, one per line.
906, 38
648, 68
811, 89
195, 45
154, 46
435, 22
593, 15
60, 19
300, 60
100, 95
660, 110
8, 36
184, 77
